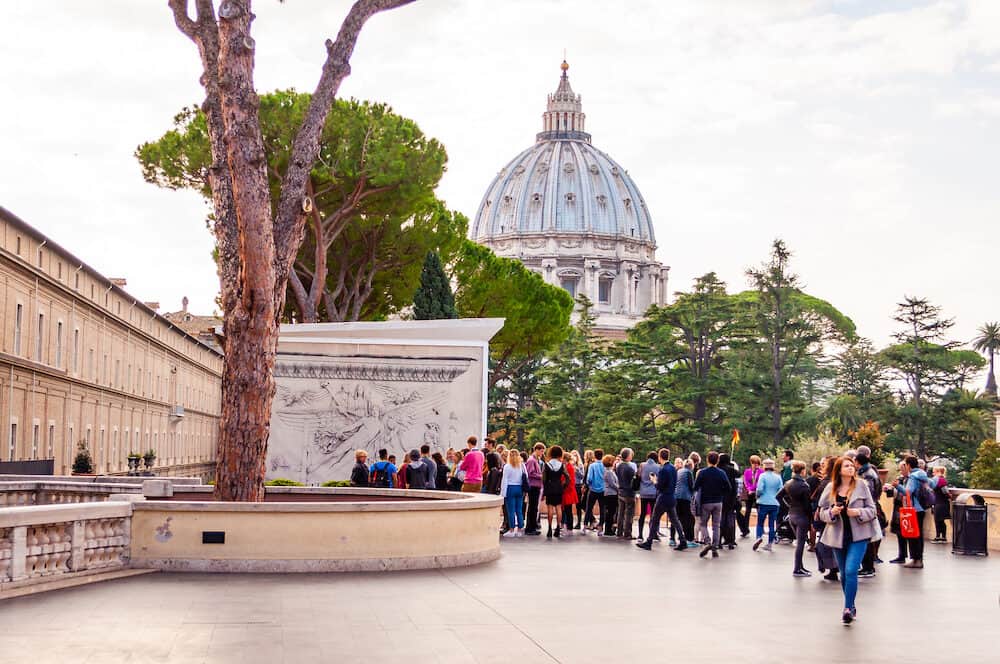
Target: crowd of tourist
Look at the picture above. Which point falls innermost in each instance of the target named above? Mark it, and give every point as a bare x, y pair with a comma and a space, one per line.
830, 508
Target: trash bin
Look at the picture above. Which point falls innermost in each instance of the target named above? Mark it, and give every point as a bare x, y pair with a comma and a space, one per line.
968, 525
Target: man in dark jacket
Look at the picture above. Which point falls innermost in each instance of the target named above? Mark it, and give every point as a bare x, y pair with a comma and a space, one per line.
715, 487
730, 504
666, 483
625, 471
797, 495
870, 475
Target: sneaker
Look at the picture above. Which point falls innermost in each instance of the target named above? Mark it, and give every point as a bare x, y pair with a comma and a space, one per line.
715, 553
768, 547
509, 533
866, 574
648, 546
745, 535
673, 542
897, 561
832, 575
704, 552
533, 533
854, 613
681, 547
692, 545
519, 532
802, 573
757, 542
847, 618
878, 561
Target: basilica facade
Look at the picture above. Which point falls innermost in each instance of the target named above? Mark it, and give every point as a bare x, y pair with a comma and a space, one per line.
571, 213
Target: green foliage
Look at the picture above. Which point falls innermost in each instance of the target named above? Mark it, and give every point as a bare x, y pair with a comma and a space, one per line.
433, 299
783, 368
83, 462
281, 481
565, 389
536, 313
336, 483
374, 214
813, 448
986, 468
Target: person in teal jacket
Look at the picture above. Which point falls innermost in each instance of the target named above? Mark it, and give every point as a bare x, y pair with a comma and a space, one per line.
768, 486
911, 484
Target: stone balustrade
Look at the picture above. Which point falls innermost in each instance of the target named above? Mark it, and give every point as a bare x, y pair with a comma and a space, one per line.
22, 494
39, 543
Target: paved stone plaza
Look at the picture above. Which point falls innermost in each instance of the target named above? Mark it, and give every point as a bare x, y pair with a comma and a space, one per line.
577, 600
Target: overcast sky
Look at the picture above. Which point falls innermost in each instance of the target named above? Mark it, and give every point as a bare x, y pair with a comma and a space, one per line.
865, 134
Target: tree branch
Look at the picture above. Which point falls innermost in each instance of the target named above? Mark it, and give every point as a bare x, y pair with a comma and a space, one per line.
290, 219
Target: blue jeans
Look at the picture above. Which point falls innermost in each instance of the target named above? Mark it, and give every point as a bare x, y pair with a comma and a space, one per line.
849, 561
769, 512
513, 502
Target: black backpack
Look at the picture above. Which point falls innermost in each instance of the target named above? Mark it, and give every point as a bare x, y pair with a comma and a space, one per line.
552, 480
381, 472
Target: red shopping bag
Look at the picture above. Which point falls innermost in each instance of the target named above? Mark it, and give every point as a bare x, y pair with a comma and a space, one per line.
908, 519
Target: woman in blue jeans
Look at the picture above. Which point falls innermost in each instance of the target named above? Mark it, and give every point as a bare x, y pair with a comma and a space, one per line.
513, 494
768, 486
848, 509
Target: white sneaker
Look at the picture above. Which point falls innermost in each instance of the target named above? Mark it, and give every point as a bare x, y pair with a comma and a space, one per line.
767, 547
519, 532
509, 533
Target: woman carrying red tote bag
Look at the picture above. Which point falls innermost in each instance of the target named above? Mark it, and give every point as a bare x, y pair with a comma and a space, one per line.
908, 519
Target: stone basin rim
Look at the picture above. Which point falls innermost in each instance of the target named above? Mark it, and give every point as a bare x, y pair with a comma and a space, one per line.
424, 500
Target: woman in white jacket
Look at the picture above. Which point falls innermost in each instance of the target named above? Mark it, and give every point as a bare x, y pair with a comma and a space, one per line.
513, 494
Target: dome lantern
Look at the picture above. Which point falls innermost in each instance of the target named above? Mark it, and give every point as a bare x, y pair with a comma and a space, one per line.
563, 117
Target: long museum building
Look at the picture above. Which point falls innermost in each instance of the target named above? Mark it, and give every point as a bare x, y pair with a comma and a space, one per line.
82, 361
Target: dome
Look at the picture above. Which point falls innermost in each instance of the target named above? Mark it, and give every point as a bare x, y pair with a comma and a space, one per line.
572, 214
563, 184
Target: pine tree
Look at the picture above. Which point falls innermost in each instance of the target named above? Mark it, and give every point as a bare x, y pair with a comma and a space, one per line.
433, 299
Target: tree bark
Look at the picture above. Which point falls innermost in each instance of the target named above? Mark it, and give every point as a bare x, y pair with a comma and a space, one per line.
256, 250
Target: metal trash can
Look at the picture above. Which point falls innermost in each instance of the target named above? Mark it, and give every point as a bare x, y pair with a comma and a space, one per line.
968, 525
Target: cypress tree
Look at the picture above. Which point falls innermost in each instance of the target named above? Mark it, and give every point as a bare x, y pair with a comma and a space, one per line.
433, 299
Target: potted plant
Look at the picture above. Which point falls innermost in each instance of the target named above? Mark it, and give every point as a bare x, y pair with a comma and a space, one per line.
149, 458
133, 463
83, 463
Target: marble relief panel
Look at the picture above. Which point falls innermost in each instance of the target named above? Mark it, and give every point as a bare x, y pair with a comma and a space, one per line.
327, 407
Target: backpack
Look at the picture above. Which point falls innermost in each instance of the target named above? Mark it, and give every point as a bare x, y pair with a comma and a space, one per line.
553, 479
925, 495
381, 472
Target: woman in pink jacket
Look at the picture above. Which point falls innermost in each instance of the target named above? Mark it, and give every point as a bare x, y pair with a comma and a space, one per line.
748, 496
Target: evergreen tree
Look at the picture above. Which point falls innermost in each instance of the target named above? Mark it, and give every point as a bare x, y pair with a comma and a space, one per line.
986, 467
433, 299
565, 391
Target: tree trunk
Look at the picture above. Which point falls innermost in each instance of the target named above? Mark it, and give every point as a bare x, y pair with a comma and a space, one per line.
247, 393
991, 380
256, 251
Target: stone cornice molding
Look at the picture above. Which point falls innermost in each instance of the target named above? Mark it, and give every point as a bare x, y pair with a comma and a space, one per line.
415, 370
